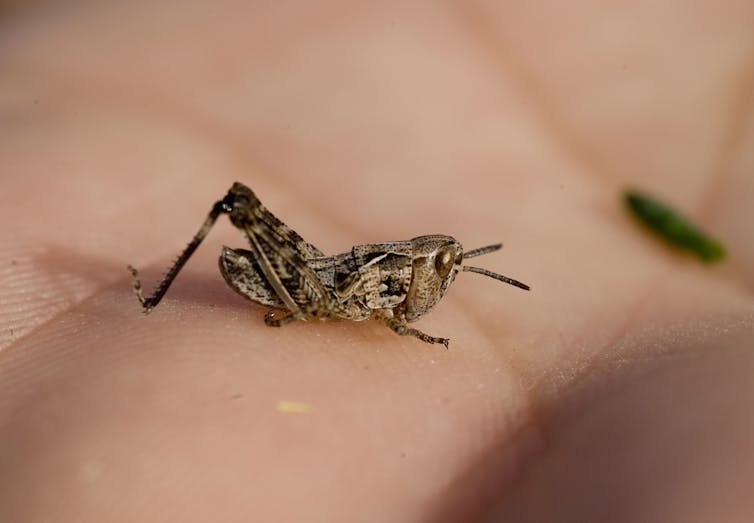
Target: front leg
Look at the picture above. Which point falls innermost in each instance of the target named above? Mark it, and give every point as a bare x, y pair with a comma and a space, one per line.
278, 321
399, 326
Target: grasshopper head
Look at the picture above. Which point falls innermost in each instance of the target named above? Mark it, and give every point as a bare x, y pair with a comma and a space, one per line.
436, 261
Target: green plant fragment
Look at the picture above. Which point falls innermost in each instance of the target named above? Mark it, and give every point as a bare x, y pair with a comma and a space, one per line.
673, 227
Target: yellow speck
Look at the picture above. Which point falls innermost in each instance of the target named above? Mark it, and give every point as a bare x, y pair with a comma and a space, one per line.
293, 407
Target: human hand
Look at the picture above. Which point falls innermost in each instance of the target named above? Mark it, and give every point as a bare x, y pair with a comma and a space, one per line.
618, 389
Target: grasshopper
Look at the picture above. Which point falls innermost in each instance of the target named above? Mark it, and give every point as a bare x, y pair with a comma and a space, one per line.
396, 282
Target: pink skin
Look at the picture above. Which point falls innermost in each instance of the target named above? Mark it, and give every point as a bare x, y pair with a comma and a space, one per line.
619, 389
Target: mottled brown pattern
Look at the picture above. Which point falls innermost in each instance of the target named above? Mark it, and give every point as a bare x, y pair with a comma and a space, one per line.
397, 282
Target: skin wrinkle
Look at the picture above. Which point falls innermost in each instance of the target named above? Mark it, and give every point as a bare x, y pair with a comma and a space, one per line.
587, 369
56, 264
480, 325
544, 409
733, 134
500, 56
209, 295
525, 423
185, 292
621, 333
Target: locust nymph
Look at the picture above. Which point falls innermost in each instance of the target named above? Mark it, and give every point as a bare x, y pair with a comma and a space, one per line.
396, 282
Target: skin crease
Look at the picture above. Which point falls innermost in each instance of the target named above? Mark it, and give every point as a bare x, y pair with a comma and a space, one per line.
618, 389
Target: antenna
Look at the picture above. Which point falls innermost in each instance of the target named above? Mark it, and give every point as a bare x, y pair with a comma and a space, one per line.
483, 250
497, 276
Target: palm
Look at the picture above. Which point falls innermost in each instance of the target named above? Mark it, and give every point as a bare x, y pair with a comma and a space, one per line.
597, 395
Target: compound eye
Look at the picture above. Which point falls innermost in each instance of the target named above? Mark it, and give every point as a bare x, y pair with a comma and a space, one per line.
444, 261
